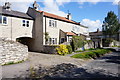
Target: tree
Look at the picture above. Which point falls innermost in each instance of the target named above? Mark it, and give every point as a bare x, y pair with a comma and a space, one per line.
110, 28
110, 25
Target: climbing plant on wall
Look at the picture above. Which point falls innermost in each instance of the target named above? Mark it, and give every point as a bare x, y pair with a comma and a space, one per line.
77, 42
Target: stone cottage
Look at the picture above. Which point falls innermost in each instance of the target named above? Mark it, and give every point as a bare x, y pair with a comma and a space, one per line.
30, 28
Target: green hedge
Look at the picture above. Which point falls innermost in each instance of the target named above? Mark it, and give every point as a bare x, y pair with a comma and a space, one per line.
77, 42
69, 49
92, 54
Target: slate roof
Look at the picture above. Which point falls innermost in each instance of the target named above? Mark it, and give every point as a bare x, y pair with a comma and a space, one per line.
14, 13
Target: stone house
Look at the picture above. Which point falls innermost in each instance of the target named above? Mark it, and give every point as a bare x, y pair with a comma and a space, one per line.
60, 29
30, 28
96, 38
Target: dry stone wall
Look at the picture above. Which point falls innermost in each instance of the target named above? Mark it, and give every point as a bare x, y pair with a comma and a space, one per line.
12, 52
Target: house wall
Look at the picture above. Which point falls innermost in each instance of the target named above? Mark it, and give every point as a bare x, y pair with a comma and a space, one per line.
37, 31
14, 29
64, 26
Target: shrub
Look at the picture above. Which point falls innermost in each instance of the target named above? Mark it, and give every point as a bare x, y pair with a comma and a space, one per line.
69, 49
91, 54
91, 49
62, 49
77, 42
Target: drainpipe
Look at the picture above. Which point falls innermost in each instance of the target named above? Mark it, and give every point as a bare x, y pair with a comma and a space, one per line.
45, 29
11, 28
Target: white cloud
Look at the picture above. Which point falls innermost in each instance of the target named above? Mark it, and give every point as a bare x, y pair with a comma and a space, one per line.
93, 25
61, 2
53, 7
116, 2
19, 5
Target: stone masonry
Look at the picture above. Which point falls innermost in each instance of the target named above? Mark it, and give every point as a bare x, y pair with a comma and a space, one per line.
12, 52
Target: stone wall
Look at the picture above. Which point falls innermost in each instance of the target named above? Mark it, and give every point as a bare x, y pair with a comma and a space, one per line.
115, 43
49, 49
12, 52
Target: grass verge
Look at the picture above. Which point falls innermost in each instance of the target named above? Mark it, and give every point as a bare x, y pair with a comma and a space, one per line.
92, 54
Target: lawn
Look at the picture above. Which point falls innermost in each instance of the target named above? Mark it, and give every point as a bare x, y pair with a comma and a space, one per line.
92, 54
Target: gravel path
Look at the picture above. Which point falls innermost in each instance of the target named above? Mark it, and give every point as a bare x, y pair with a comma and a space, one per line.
48, 60
104, 67
36, 60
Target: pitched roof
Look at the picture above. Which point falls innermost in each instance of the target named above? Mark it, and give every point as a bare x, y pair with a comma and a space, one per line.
58, 17
95, 33
70, 33
14, 13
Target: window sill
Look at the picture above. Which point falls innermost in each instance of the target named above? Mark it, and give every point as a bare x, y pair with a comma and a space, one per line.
4, 24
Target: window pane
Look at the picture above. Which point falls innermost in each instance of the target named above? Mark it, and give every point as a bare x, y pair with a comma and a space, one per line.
49, 22
23, 22
55, 40
50, 40
0, 19
55, 23
4, 20
27, 23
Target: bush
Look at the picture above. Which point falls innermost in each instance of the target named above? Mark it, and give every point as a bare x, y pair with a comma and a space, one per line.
69, 49
91, 49
62, 49
93, 54
77, 42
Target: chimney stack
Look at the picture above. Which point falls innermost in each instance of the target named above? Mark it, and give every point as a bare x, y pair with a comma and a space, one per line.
7, 6
35, 5
69, 16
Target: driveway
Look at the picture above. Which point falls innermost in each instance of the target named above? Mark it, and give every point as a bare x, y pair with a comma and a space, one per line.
36, 60
104, 67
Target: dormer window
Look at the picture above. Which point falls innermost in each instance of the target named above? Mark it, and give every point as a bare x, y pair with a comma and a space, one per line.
3, 19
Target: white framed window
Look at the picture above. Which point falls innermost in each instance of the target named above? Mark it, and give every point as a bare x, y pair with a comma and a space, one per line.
52, 40
3, 19
52, 23
0, 19
25, 23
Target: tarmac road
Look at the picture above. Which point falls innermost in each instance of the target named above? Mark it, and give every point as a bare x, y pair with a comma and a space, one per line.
104, 67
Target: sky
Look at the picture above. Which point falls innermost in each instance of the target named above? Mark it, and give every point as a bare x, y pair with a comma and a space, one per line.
90, 13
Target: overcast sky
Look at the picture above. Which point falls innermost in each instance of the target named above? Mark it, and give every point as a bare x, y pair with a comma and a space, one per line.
90, 13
